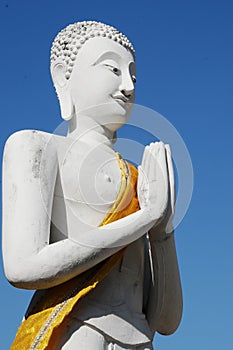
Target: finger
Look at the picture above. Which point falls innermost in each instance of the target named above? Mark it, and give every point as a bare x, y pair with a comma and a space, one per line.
161, 163
141, 177
158, 177
171, 178
142, 168
152, 167
163, 172
139, 186
147, 175
146, 160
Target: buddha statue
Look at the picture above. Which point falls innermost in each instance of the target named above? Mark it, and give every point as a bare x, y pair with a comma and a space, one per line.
83, 227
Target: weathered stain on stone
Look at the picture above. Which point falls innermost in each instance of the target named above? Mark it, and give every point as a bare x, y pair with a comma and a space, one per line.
37, 163
12, 196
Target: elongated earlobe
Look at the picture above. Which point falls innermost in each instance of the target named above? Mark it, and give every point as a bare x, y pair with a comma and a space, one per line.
66, 105
63, 92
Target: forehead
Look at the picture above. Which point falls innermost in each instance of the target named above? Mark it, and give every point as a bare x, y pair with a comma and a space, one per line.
103, 48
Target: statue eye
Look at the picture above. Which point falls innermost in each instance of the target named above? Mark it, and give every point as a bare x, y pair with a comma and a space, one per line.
134, 79
115, 70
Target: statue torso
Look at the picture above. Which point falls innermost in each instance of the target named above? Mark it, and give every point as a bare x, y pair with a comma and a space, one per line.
87, 185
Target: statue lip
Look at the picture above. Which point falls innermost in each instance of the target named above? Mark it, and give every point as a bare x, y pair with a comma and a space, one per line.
120, 98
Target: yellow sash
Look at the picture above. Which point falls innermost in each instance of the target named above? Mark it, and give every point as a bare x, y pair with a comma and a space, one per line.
44, 327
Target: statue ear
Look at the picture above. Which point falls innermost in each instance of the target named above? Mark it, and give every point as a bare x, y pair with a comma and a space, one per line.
63, 92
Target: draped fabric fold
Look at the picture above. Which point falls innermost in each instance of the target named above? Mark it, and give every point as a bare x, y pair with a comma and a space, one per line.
43, 327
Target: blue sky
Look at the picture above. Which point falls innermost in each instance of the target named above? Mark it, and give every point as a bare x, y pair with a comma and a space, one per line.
185, 64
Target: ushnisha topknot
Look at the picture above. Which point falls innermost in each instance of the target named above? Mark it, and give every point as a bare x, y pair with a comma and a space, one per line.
69, 41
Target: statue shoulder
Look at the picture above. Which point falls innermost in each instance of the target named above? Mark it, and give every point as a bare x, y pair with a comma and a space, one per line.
28, 137
28, 150
29, 141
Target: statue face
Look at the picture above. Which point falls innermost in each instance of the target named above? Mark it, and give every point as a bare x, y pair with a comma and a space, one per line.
102, 82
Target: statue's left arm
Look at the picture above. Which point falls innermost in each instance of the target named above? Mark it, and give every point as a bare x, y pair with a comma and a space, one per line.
164, 305
164, 295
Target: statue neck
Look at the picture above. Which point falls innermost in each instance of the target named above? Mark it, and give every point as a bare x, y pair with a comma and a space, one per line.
87, 129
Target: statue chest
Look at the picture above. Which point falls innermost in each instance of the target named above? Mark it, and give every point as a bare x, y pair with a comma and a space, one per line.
89, 180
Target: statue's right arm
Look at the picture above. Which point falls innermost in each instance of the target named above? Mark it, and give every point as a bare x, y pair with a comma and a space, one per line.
30, 261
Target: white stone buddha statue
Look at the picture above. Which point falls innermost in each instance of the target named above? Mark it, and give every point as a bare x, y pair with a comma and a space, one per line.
58, 190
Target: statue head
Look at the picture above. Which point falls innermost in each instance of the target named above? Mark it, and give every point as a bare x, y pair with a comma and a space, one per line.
93, 70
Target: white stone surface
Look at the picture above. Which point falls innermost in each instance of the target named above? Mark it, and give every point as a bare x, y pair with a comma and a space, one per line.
57, 190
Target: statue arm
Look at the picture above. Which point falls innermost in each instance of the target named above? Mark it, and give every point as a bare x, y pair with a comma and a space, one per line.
164, 306
30, 261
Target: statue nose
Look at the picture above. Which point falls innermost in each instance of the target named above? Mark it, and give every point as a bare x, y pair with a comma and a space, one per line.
127, 85
127, 93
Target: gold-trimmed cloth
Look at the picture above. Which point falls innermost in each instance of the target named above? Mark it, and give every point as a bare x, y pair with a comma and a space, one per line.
44, 327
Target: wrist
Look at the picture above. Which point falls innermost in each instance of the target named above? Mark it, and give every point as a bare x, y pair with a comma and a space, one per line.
157, 235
